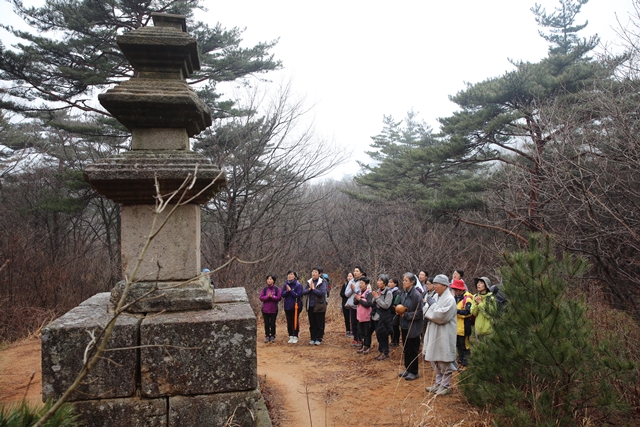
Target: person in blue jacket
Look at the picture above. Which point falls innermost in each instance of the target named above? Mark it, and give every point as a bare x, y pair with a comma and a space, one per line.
291, 294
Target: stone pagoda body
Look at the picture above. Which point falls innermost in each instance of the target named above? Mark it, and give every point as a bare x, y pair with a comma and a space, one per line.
180, 354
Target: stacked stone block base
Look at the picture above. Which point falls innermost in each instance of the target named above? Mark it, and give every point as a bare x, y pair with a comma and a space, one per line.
188, 368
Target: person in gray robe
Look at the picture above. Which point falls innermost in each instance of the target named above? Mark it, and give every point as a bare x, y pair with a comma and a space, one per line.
440, 336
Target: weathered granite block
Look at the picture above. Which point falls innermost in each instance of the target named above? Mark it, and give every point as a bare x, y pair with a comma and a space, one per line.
159, 139
219, 409
130, 412
230, 295
199, 352
174, 254
100, 300
153, 297
63, 346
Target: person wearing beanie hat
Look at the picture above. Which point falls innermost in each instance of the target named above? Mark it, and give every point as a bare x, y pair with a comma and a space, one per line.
440, 336
480, 307
464, 299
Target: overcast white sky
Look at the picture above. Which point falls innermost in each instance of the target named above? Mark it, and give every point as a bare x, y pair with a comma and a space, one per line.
359, 60
356, 61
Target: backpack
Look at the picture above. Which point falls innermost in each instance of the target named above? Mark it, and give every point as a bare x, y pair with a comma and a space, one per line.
500, 297
325, 277
472, 318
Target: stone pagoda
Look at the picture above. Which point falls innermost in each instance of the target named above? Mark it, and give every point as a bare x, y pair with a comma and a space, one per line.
181, 354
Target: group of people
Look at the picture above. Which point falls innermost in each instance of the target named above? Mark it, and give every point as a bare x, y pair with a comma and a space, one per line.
433, 311
312, 297
436, 313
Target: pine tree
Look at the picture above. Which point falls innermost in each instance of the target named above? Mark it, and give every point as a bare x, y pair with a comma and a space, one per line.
562, 36
499, 118
541, 367
411, 164
72, 52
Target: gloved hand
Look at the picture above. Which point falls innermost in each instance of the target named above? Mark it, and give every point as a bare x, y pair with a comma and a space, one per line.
430, 300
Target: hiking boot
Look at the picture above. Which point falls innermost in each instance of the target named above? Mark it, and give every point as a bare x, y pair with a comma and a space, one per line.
411, 377
365, 350
267, 340
403, 374
433, 389
383, 356
273, 340
443, 391
355, 343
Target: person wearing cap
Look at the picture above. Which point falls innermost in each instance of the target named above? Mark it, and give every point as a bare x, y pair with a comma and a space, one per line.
464, 299
440, 336
482, 307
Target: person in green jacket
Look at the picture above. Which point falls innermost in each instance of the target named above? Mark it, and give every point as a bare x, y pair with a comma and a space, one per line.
483, 304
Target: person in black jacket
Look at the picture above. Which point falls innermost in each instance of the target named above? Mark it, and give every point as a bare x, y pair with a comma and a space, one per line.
411, 325
394, 288
383, 316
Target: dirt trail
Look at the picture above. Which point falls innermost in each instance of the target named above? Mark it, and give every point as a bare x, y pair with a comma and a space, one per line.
342, 387
353, 389
20, 372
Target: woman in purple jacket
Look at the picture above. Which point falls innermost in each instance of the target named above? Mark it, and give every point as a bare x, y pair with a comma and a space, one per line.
291, 293
270, 296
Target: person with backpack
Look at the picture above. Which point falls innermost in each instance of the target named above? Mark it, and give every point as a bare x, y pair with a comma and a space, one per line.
291, 294
395, 322
464, 299
410, 312
482, 307
316, 304
383, 316
364, 300
346, 310
270, 296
